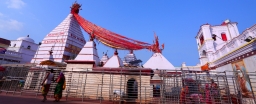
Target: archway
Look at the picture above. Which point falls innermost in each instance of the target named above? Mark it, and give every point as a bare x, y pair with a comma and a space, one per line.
132, 89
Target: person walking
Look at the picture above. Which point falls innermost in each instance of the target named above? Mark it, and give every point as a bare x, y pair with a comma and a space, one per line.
46, 84
61, 85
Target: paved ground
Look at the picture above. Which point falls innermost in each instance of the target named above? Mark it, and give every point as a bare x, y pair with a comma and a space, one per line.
28, 99
17, 99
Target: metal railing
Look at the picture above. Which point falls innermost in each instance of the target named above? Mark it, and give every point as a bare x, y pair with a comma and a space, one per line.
135, 85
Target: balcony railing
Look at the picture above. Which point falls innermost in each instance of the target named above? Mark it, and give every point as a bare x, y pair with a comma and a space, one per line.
13, 54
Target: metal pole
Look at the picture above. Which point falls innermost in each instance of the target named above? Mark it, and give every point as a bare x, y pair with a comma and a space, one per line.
42, 79
228, 91
238, 87
70, 78
218, 88
101, 87
145, 94
252, 89
110, 91
124, 83
84, 84
17, 81
37, 52
77, 83
140, 86
112, 84
120, 85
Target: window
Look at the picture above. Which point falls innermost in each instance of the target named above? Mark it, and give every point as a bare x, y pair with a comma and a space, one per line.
29, 47
204, 53
201, 39
14, 45
223, 36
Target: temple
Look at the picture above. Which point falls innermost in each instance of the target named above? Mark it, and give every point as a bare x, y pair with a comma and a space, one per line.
226, 57
65, 42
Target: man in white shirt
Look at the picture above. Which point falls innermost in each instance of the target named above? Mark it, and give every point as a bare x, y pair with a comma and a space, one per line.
46, 83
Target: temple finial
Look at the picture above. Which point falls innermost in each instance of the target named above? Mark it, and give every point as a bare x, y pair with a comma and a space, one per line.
116, 53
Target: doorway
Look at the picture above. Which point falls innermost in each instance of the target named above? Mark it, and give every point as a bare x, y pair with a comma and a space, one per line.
132, 89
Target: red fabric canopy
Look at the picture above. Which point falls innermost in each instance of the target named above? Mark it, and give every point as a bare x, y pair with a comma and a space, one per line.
105, 36
2, 68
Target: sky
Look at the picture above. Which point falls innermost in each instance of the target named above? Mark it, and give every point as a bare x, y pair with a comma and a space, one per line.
176, 22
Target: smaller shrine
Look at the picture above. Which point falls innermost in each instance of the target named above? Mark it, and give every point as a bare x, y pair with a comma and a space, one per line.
157, 60
104, 58
114, 62
86, 59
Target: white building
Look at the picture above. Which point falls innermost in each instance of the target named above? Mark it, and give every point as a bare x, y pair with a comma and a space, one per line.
229, 49
206, 44
20, 51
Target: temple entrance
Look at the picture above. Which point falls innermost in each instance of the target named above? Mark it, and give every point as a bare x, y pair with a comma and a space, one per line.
156, 90
132, 89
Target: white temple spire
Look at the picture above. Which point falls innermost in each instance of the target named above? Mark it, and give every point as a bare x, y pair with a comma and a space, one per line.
158, 61
114, 62
66, 39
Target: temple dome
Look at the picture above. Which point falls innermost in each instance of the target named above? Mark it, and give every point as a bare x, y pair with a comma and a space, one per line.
26, 39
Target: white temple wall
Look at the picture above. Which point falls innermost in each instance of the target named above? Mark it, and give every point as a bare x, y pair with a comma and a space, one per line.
27, 56
250, 66
229, 71
15, 44
22, 44
93, 84
250, 63
79, 67
227, 68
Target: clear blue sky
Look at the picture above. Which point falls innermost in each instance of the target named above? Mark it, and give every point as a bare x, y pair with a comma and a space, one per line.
176, 22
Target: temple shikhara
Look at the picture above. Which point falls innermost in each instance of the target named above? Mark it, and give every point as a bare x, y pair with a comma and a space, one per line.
225, 74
